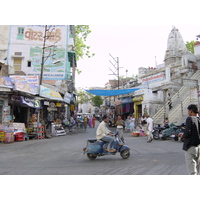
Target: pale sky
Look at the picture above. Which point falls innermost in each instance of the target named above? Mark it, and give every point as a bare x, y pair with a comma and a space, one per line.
135, 46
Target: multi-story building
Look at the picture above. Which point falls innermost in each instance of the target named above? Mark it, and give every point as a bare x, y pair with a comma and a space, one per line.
41, 63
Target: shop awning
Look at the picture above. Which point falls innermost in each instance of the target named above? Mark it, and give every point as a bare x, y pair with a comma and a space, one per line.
111, 92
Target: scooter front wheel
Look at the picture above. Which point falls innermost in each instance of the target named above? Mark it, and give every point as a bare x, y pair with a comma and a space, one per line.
91, 156
125, 154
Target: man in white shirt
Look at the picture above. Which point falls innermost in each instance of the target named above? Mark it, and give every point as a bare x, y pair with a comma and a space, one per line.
149, 129
104, 134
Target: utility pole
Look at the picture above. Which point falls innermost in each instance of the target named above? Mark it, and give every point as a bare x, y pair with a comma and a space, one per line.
43, 48
116, 72
46, 36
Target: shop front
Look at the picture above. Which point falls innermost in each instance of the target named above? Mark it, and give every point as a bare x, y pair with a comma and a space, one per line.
137, 106
127, 107
54, 108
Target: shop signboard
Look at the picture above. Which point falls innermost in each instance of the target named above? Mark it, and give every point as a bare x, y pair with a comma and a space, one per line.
6, 114
153, 78
28, 84
127, 100
33, 103
6, 82
67, 97
50, 94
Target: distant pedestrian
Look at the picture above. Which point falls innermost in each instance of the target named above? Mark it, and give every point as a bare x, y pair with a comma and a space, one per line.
191, 139
93, 121
143, 120
166, 122
132, 123
149, 128
90, 121
120, 125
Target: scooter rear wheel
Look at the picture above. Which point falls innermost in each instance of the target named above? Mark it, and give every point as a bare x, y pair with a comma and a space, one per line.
125, 154
156, 135
91, 156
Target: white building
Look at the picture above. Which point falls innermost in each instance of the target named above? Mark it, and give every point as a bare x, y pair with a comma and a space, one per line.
167, 78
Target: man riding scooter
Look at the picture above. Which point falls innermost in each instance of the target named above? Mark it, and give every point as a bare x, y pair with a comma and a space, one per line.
104, 134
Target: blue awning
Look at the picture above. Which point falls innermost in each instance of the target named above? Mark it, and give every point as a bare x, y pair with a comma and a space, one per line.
109, 93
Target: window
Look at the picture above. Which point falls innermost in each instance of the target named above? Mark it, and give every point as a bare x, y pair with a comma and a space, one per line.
17, 64
20, 34
71, 31
20, 31
28, 63
18, 53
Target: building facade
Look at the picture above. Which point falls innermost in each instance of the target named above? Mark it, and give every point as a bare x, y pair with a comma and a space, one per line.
29, 52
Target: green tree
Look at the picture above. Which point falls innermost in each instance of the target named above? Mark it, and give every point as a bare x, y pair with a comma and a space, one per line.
190, 46
81, 34
97, 100
82, 97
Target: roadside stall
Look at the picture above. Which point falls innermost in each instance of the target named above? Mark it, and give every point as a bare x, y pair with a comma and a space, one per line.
19, 131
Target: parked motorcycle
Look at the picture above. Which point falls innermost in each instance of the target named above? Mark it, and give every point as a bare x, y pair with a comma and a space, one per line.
96, 148
111, 122
157, 132
172, 131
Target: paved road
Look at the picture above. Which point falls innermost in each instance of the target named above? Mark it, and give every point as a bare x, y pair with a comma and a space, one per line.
63, 156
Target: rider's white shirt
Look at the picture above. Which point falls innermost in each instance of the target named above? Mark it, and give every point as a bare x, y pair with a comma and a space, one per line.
102, 130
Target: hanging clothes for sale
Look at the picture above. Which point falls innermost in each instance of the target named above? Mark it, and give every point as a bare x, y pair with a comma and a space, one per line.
128, 107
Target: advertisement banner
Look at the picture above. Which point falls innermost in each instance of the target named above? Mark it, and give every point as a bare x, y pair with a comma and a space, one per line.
6, 82
27, 84
50, 94
27, 40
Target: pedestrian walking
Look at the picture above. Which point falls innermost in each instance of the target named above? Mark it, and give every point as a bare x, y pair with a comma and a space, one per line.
120, 126
191, 141
132, 123
143, 120
90, 121
93, 121
149, 129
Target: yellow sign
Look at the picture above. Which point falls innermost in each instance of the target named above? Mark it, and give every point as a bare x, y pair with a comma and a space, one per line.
137, 99
58, 105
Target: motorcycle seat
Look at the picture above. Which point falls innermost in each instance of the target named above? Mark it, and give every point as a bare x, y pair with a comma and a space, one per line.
92, 140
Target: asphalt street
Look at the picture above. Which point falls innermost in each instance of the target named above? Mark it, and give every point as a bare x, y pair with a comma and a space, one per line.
63, 155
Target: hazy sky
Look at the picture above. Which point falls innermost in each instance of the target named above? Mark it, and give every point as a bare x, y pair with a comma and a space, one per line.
135, 46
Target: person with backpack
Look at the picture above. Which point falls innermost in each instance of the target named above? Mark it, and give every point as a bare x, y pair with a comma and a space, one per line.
191, 141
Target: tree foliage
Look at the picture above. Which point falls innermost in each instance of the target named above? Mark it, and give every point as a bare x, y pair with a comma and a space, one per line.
190, 46
83, 97
81, 34
97, 100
